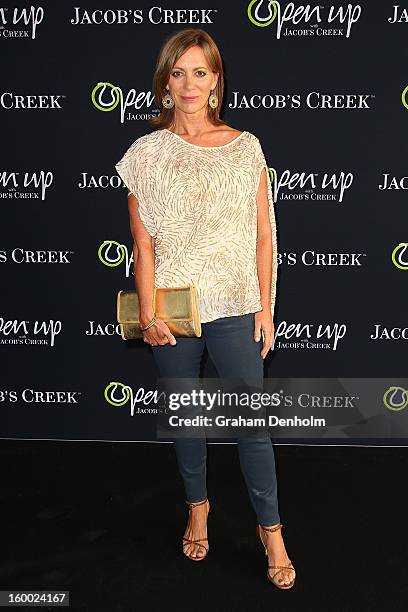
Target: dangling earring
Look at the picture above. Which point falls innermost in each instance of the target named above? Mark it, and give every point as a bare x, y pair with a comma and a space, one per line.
213, 100
167, 100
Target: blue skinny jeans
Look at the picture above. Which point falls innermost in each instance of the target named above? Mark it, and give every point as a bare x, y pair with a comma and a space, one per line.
235, 354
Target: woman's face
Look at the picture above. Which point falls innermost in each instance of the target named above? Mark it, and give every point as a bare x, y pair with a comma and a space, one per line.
191, 81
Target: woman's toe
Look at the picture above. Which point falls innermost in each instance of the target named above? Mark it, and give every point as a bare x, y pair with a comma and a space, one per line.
290, 577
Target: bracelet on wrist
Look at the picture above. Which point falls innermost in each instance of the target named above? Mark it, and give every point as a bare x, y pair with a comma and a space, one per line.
150, 324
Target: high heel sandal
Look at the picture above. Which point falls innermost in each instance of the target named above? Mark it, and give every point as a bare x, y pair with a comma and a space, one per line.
186, 540
280, 568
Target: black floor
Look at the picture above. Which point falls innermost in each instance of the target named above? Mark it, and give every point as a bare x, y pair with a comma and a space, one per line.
105, 521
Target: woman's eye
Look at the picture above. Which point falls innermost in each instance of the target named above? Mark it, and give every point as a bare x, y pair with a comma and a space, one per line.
176, 73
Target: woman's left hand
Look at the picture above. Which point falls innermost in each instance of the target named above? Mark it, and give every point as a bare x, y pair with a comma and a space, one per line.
264, 323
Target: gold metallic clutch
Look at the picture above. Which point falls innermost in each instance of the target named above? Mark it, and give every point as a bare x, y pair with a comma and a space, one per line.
176, 306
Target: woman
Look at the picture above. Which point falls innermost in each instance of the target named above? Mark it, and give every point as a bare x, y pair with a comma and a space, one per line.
201, 213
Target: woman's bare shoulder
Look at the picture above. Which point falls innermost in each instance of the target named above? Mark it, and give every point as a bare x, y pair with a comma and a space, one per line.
234, 132
228, 130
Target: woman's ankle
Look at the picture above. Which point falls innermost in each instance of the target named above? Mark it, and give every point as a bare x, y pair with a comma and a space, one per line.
270, 525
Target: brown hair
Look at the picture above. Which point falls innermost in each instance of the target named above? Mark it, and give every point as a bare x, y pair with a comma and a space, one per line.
173, 47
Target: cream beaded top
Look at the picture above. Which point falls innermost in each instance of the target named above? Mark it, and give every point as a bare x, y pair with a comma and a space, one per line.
199, 203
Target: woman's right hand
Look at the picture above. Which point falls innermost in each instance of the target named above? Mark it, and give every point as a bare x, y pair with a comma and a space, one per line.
159, 334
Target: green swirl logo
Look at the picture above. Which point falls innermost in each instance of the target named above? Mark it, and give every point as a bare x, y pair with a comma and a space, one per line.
119, 253
404, 97
397, 256
99, 93
396, 398
253, 13
117, 394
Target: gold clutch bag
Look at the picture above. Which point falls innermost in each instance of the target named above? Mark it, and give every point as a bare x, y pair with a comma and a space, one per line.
176, 306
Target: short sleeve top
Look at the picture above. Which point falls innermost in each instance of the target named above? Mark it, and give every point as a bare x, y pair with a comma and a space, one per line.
199, 203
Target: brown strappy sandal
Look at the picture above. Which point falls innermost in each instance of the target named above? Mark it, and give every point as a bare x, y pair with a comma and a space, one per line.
186, 540
280, 568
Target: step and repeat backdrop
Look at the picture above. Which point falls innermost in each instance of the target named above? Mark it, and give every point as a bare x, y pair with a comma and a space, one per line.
324, 86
